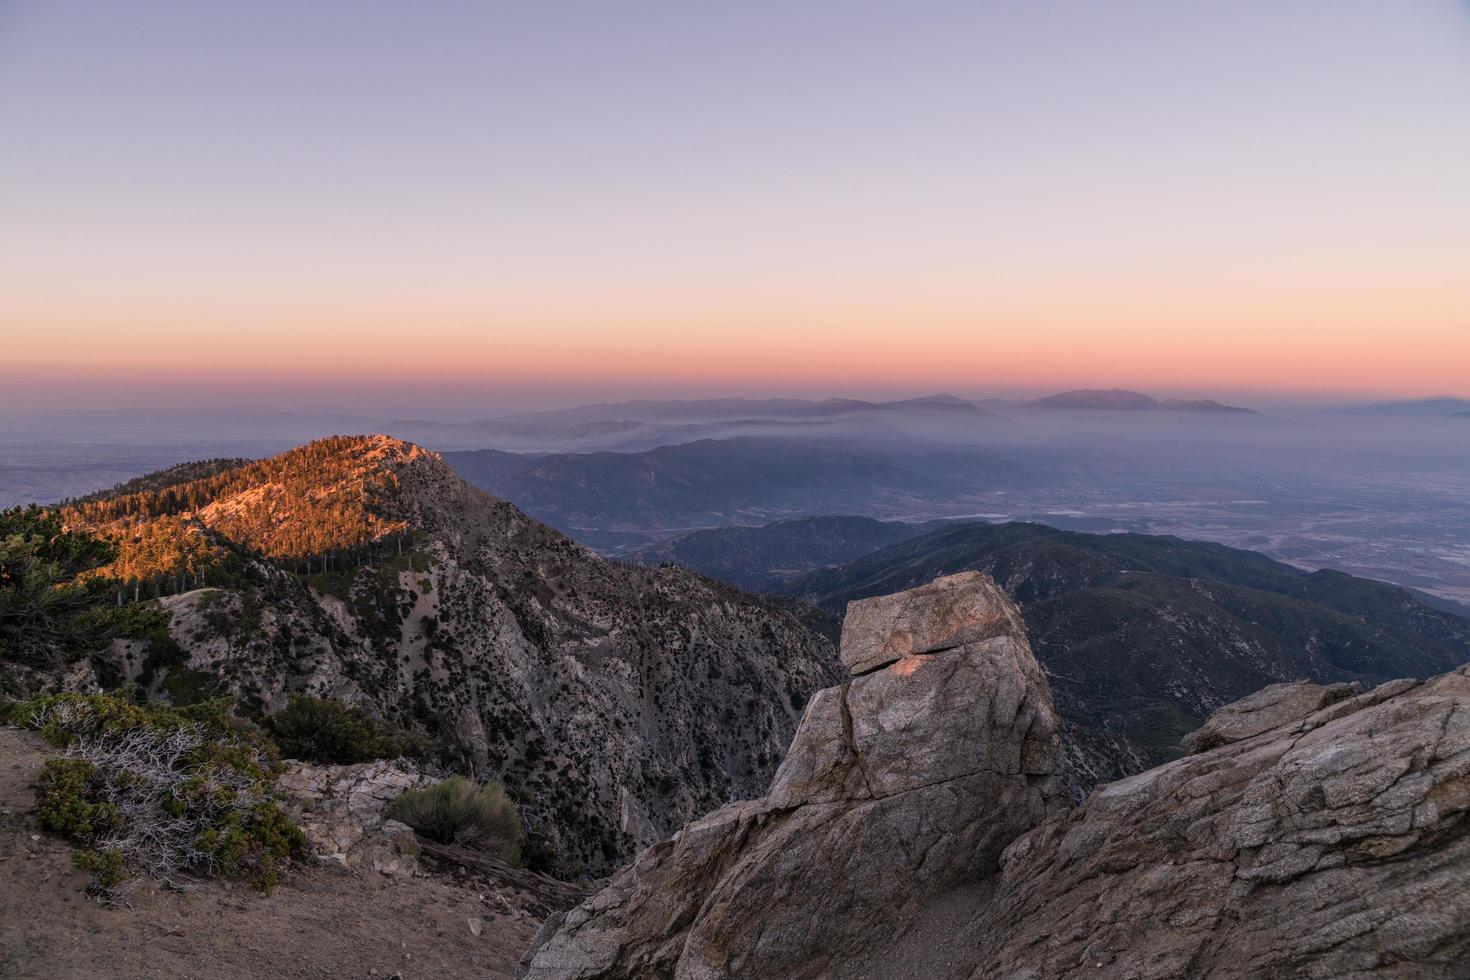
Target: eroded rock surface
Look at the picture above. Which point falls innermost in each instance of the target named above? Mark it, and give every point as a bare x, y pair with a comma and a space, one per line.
915, 829
1270, 707
1334, 845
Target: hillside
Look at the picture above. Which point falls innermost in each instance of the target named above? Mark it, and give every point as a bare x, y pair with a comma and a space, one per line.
1143, 636
614, 701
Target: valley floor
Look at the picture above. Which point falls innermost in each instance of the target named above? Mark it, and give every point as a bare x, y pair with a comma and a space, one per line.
317, 923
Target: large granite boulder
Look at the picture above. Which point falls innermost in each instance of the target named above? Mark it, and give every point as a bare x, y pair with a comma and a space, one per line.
900, 784
915, 830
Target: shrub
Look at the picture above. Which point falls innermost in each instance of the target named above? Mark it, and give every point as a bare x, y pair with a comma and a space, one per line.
539, 854
322, 730
62, 800
170, 793
457, 811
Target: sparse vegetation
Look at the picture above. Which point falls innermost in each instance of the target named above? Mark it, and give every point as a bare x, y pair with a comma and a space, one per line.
457, 811
168, 793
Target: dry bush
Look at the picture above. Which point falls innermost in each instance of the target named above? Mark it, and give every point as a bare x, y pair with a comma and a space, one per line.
151, 790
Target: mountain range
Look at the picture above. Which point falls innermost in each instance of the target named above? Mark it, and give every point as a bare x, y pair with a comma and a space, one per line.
618, 700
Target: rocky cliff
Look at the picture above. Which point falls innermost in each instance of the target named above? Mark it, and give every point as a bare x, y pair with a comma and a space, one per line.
916, 828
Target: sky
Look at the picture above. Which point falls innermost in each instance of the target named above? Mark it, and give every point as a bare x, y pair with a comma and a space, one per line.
516, 202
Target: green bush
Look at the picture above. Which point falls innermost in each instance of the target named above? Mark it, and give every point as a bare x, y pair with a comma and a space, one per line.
325, 731
457, 811
63, 803
173, 793
108, 866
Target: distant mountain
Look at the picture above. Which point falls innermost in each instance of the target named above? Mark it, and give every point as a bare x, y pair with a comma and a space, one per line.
1143, 636
1461, 415
1120, 399
1202, 405
711, 409
1114, 399
614, 701
762, 557
711, 483
648, 424
1441, 406
1123, 400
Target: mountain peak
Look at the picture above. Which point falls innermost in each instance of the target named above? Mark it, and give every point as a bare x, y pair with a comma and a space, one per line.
1098, 398
334, 493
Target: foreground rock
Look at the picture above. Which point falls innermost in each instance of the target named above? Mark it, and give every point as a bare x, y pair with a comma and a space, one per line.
901, 783
915, 829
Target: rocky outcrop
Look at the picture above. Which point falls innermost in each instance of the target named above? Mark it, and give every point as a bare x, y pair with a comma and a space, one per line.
1333, 845
915, 830
343, 810
904, 782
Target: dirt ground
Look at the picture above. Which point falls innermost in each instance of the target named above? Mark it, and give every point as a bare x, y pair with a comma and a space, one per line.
317, 923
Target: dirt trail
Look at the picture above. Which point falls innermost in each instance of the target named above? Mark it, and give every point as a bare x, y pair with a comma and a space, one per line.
317, 923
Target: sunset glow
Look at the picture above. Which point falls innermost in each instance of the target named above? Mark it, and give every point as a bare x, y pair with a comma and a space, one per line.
1263, 196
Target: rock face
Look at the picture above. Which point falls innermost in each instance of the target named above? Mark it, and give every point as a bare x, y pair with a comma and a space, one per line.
916, 829
1333, 845
901, 783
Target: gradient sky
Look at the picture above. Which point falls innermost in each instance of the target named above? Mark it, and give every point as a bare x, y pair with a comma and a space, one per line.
1200, 196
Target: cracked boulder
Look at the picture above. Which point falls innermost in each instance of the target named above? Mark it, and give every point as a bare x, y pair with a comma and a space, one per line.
903, 783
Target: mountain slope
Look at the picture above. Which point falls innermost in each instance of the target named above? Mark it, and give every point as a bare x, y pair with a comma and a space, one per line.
614, 701
1142, 636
